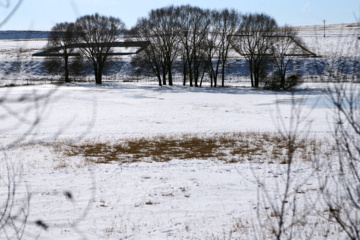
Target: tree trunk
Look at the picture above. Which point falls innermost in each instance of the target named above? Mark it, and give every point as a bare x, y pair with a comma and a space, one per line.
282, 77
196, 76
202, 77
256, 77
223, 75
98, 76
256, 80
215, 78
98, 72
67, 79
170, 77
164, 77
256, 70
159, 78
251, 73
184, 74
169, 68
190, 74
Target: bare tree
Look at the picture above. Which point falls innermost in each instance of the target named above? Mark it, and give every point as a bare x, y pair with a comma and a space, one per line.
340, 186
342, 191
286, 46
195, 23
152, 57
62, 35
146, 63
253, 42
175, 32
210, 48
224, 23
161, 28
96, 36
149, 62
15, 207
281, 214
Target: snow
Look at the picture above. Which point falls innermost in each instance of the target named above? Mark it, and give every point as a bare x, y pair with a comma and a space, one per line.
179, 199
123, 110
152, 201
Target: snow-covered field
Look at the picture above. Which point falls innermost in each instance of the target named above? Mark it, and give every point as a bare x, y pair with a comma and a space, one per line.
179, 199
190, 198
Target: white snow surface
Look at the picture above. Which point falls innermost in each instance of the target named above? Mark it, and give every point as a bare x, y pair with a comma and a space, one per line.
180, 199
123, 110
192, 199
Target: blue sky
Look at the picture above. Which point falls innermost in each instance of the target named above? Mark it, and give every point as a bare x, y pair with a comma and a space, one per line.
43, 14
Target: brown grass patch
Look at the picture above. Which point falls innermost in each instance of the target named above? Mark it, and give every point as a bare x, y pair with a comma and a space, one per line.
229, 147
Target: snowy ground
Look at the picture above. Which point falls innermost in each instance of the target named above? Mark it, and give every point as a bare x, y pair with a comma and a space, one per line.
179, 199
136, 110
191, 199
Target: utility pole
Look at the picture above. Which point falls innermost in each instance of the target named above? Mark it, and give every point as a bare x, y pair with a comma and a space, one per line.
324, 28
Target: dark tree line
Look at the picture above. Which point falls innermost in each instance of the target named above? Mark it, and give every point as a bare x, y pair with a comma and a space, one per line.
189, 40
91, 37
162, 30
254, 44
197, 43
186, 39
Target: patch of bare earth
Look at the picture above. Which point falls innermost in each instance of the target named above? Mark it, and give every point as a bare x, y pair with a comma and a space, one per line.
228, 147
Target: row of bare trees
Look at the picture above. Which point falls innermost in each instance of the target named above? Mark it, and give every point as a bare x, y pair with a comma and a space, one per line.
189, 40
186, 39
197, 41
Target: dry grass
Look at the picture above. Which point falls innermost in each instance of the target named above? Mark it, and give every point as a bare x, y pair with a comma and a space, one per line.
229, 147
61, 165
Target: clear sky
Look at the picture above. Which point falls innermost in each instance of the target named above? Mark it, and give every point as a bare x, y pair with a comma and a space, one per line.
43, 14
